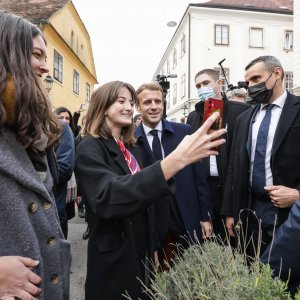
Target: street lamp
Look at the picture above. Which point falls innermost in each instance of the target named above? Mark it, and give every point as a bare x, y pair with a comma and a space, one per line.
184, 110
48, 82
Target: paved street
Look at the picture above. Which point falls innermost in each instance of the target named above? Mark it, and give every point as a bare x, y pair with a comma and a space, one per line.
77, 227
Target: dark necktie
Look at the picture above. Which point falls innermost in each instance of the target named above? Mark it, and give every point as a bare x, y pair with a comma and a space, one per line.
259, 170
156, 145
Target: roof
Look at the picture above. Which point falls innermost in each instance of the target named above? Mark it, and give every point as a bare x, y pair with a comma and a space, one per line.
271, 6
33, 10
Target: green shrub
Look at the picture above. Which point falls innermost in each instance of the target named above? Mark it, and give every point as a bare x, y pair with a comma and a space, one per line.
213, 271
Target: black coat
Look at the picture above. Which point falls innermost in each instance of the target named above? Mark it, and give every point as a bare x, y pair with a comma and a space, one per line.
285, 158
191, 203
232, 109
114, 197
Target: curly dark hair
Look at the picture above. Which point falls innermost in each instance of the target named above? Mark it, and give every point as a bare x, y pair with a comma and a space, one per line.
33, 113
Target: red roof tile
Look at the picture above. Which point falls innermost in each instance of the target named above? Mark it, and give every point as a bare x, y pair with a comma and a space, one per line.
33, 10
275, 6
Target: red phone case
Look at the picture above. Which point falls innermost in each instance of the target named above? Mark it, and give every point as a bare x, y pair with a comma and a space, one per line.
212, 105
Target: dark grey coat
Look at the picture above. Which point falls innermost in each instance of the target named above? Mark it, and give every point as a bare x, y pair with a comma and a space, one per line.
29, 220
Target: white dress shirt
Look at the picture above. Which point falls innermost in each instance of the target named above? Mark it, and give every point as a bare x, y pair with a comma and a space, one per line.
275, 115
150, 136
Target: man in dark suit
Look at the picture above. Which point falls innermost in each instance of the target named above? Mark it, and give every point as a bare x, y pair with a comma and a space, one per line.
264, 170
208, 85
189, 209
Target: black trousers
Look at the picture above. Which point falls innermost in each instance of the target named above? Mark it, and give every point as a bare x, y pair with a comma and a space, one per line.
216, 197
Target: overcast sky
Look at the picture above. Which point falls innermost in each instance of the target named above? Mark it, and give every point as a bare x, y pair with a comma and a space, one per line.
129, 37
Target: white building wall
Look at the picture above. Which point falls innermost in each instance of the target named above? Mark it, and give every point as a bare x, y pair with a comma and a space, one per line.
205, 54
296, 60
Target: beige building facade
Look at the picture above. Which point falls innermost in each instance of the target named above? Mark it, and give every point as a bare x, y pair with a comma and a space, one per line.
70, 56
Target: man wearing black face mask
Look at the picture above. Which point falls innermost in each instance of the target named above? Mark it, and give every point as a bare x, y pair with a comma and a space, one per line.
264, 168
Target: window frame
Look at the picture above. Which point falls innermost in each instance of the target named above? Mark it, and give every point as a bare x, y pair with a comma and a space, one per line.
87, 92
284, 42
75, 82
262, 38
58, 61
224, 86
289, 81
221, 43
182, 85
174, 93
174, 58
182, 46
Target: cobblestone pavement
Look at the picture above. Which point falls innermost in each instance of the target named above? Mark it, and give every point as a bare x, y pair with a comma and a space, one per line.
77, 227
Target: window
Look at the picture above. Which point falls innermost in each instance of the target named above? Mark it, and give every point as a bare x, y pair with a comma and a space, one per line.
174, 58
174, 93
168, 100
72, 39
168, 67
87, 92
182, 86
288, 40
221, 35
182, 44
256, 37
76, 82
288, 79
224, 84
58, 66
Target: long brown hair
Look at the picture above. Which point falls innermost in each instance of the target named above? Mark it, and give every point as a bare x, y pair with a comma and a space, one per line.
33, 114
101, 100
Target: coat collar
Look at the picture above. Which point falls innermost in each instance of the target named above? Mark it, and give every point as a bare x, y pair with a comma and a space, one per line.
116, 153
289, 112
166, 125
15, 163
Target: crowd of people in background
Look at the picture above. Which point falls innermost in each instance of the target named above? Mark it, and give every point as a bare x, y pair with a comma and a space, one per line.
145, 185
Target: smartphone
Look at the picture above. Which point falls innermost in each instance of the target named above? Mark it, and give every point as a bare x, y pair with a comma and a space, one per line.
212, 105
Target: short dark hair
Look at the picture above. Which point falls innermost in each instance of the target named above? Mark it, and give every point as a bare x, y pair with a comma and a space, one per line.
152, 86
210, 72
271, 62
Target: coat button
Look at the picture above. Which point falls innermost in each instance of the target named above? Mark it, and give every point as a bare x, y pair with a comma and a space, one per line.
47, 205
32, 207
54, 279
51, 241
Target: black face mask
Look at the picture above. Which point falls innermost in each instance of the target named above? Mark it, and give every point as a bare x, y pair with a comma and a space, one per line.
259, 92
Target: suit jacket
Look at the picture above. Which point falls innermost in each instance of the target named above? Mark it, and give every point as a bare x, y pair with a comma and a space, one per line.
285, 158
232, 110
65, 155
191, 190
29, 220
114, 196
284, 251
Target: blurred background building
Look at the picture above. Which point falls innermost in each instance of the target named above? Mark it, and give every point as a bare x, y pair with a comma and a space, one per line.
237, 30
72, 74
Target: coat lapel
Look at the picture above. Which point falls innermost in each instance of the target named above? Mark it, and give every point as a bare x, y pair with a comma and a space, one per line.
166, 139
142, 143
252, 115
117, 154
288, 114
